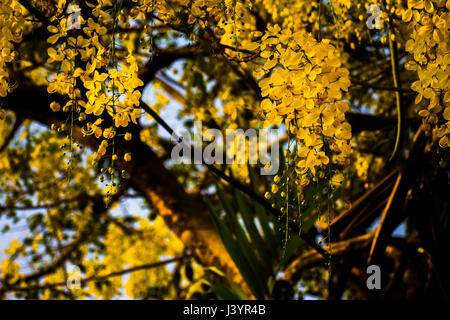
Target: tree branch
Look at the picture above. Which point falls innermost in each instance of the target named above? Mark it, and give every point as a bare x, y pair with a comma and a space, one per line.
11, 134
103, 277
310, 259
162, 58
41, 17
385, 88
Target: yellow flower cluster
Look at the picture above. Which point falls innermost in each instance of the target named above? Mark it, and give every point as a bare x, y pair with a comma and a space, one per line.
85, 60
124, 249
292, 14
201, 11
429, 45
347, 19
10, 270
11, 24
235, 28
303, 90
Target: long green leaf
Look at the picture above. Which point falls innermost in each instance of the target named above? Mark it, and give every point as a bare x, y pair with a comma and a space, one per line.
262, 217
255, 237
243, 241
223, 292
236, 253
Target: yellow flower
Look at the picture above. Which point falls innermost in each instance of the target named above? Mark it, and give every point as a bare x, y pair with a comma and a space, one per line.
127, 157
337, 179
55, 106
274, 188
59, 31
55, 55
108, 133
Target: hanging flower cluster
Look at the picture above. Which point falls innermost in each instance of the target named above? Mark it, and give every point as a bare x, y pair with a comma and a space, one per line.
11, 27
429, 45
292, 14
88, 60
301, 86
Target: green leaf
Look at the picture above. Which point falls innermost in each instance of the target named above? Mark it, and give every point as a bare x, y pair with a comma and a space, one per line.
236, 253
233, 287
215, 270
255, 237
6, 228
225, 293
262, 217
292, 247
242, 241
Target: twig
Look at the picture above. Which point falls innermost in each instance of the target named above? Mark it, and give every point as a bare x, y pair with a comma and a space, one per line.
396, 78
383, 217
376, 87
11, 134
309, 259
